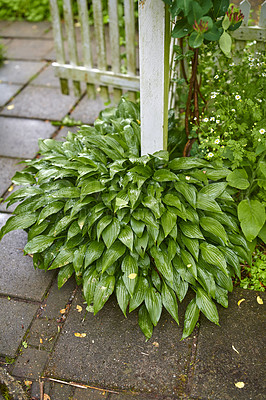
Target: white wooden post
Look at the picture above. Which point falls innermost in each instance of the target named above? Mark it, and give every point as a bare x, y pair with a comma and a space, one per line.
154, 40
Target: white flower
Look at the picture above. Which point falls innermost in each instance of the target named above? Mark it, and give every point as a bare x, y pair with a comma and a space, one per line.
259, 100
259, 140
217, 121
262, 131
231, 65
206, 119
210, 155
217, 141
216, 77
213, 96
237, 97
233, 110
212, 119
212, 130
187, 178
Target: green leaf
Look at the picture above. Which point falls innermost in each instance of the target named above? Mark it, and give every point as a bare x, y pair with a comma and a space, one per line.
207, 281
93, 252
172, 200
225, 43
214, 256
238, 179
214, 190
137, 226
211, 225
187, 163
90, 280
221, 296
112, 254
188, 191
126, 236
122, 296
23, 178
38, 244
156, 280
133, 195
189, 262
179, 286
22, 221
207, 306
63, 258
262, 233
111, 233
68, 193
169, 302
103, 291
62, 225
102, 224
153, 303
168, 221
145, 323
164, 175
191, 318
251, 214
130, 268
162, 264
191, 230
195, 40
64, 274
49, 210
91, 186
139, 293
181, 29
78, 259
192, 245
204, 202
231, 259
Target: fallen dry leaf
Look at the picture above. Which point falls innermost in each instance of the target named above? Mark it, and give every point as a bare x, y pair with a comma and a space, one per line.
41, 341
10, 188
10, 107
240, 301
28, 383
233, 347
46, 397
62, 311
155, 344
259, 300
79, 308
80, 334
240, 385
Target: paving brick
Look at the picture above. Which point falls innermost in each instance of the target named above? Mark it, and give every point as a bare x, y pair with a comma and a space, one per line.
62, 134
88, 110
8, 167
19, 137
60, 391
89, 394
43, 103
17, 276
19, 71
21, 29
23, 49
15, 317
30, 364
7, 91
46, 78
218, 366
42, 334
114, 353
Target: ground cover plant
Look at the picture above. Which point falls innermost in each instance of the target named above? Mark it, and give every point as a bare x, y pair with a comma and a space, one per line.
144, 228
254, 276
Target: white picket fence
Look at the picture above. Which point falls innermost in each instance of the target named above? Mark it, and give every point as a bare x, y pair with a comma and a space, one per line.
101, 63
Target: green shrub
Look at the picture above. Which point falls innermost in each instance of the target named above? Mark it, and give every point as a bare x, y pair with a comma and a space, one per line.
254, 276
145, 228
2, 52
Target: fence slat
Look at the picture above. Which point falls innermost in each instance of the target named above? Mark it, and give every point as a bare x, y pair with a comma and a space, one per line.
114, 42
58, 42
130, 39
154, 33
262, 21
101, 51
86, 41
245, 9
72, 48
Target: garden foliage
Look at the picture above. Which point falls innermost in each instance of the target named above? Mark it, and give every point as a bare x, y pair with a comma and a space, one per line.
144, 228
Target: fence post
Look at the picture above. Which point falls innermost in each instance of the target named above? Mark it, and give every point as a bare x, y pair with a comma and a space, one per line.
154, 41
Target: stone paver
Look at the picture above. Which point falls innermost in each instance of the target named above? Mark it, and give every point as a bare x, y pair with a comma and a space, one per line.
88, 110
30, 363
7, 91
15, 317
23, 49
46, 78
8, 167
23, 29
17, 275
42, 334
19, 71
43, 103
14, 141
218, 366
89, 394
114, 352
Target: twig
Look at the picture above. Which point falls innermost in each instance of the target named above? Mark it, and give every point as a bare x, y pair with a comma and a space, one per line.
78, 385
41, 389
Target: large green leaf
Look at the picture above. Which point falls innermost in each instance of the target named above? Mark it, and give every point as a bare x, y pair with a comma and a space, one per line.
191, 230
64, 274
170, 302
211, 225
22, 221
179, 285
122, 296
172, 200
168, 221
207, 281
102, 224
225, 43
130, 268
231, 259
162, 264
137, 226
188, 191
93, 252
214, 189
90, 280
192, 245
145, 323
207, 306
191, 318
139, 293
187, 163
189, 262
111, 233
62, 225
38, 244
103, 291
126, 236
112, 254
63, 258
238, 179
78, 259
153, 303
23, 178
207, 203
49, 210
164, 175
91, 186
213, 255
251, 214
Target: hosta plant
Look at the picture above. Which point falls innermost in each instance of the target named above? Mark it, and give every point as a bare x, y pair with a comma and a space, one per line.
144, 228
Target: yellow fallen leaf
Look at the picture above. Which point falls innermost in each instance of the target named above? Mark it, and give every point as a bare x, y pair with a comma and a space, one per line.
138, 121
240, 301
62, 311
28, 383
240, 385
10, 107
46, 397
80, 334
41, 341
79, 308
259, 300
132, 276
155, 344
10, 188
